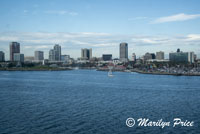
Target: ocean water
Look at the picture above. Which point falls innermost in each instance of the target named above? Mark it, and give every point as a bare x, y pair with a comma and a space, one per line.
90, 102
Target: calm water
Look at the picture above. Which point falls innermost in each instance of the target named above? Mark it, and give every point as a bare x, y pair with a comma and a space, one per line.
89, 102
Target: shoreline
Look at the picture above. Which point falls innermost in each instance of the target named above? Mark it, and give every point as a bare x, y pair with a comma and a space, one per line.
35, 69
153, 73
68, 69
165, 73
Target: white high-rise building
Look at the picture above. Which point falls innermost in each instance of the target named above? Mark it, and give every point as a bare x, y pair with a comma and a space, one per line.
191, 57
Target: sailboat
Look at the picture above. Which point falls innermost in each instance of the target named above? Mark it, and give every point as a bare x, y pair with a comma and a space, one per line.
110, 66
110, 73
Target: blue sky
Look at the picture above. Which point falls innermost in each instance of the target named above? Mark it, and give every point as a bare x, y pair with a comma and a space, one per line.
147, 25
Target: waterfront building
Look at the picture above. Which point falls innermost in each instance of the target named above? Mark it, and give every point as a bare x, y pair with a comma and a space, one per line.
51, 55
14, 48
153, 56
191, 57
28, 59
195, 57
160, 55
180, 56
57, 49
123, 52
55, 53
2, 56
147, 56
18, 57
39, 56
107, 57
133, 57
86, 54
65, 58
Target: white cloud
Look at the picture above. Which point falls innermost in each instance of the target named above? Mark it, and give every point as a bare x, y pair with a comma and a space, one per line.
100, 42
194, 37
8, 38
176, 17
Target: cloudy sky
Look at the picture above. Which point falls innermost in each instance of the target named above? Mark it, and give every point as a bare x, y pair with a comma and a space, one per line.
146, 25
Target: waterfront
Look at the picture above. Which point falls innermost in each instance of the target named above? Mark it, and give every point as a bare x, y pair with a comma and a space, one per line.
88, 101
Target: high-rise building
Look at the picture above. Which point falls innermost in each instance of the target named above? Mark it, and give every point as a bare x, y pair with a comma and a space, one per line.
2, 56
86, 54
147, 56
160, 55
123, 51
191, 57
57, 49
52, 55
195, 57
133, 57
14, 48
18, 57
153, 56
39, 56
107, 57
55, 54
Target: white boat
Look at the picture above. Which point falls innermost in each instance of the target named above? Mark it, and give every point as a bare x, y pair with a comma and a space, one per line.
76, 68
110, 67
110, 73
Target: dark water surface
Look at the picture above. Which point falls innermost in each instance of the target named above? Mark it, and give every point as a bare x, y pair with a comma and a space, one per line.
90, 102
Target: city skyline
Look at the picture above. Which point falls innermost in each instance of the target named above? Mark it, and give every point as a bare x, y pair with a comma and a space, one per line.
55, 54
147, 26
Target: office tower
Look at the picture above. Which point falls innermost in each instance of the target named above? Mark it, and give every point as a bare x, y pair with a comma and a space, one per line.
153, 56
180, 56
133, 57
2, 56
18, 57
55, 53
160, 55
39, 56
191, 57
107, 57
147, 56
14, 48
57, 49
195, 57
123, 52
86, 54
52, 55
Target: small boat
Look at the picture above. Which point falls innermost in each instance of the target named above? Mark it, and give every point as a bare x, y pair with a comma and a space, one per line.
110, 73
76, 68
110, 67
